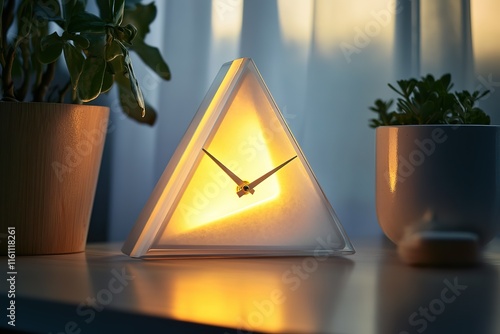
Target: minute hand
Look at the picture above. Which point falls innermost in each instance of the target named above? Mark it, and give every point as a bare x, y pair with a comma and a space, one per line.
233, 176
255, 183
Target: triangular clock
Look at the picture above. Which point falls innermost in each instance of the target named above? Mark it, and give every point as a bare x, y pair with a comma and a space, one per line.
238, 184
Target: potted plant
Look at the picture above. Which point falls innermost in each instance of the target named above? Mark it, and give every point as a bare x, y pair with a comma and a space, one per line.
438, 172
54, 57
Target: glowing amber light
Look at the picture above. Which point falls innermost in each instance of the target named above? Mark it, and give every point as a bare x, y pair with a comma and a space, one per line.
211, 194
393, 162
206, 299
238, 137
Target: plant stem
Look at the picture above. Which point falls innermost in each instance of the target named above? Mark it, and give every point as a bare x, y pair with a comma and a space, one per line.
41, 89
8, 16
64, 91
7, 82
25, 52
7, 19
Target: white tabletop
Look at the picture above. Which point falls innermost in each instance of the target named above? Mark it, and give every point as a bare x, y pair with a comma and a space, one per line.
104, 291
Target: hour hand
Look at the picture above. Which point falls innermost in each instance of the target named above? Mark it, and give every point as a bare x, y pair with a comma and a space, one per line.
253, 184
233, 176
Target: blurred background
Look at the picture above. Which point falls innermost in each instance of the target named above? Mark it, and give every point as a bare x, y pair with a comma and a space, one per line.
325, 62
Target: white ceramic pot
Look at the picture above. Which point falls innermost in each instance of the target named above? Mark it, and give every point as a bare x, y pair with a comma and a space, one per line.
437, 187
49, 163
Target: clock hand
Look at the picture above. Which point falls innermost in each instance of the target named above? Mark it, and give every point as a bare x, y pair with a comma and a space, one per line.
253, 184
233, 176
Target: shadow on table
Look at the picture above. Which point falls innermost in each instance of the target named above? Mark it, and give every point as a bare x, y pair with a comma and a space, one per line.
437, 300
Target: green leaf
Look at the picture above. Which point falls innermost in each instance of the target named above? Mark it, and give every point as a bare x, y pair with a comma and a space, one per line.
105, 10
134, 83
108, 80
429, 101
125, 34
427, 111
480, 95
128, 72
395, 89
113, 50
71, 7
118, 11
111, 10
141, 17
50, 41
25, 19
74, 62
446, 82
384, 116
86, 22
90, 82
49, 11
97, 44
152, 58
80, 41
129, 103
50, 48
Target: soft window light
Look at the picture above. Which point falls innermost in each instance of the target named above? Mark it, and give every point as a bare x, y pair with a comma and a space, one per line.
238, 184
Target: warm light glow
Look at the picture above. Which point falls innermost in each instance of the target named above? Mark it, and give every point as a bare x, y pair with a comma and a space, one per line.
249, 139
353, 25
393, 160
165, 199
245, 143
485, 30
207, 299
237, 137
227, 19
211, 194
296, 22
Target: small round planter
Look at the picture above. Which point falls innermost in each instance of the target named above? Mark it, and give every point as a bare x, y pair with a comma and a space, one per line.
438, 190
50, 156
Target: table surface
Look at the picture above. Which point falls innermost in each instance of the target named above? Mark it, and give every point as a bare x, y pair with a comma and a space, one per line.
104, 291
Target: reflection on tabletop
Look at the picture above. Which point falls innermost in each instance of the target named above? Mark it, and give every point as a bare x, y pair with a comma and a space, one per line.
249, 294
439, 299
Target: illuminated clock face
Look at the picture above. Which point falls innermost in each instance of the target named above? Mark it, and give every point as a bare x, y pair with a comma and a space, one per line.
235, 158
237, 181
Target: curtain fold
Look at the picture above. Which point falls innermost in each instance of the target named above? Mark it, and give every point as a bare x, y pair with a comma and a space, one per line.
446, 45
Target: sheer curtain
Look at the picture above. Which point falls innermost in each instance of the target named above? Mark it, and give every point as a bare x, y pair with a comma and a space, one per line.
325, 63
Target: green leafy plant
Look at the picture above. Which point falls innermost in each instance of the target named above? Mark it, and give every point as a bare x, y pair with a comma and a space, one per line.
429, 101
38, 35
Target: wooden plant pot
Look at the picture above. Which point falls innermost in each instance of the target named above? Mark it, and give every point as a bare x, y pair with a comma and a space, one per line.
50, 156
